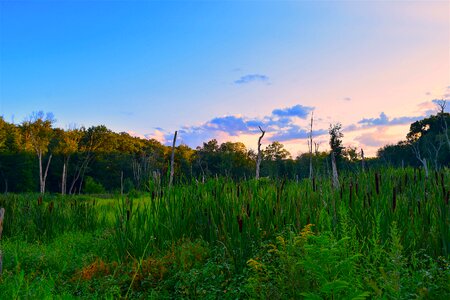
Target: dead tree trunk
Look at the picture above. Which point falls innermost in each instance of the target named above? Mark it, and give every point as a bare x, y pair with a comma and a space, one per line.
335, 177
310, 144
43, 174
362, 160
259, 157
64, 175
172, 158
2, 216
423, 160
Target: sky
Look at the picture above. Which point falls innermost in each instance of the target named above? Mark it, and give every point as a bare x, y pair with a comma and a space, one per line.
221, 69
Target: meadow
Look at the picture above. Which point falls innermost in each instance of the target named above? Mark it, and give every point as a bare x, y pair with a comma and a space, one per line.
384, 234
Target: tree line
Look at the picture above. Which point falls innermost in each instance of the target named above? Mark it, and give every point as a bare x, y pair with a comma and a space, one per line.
36, 156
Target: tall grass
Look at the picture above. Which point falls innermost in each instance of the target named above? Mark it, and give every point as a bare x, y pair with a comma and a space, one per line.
240, 216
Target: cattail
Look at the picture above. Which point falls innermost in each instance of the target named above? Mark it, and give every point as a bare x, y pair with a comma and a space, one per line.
394, 199
350, 194
51, 206
39, 200
248, 210
377, 183
240, 222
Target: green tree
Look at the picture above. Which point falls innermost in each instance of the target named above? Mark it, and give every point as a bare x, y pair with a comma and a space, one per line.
336, 139
276, 152
38, 134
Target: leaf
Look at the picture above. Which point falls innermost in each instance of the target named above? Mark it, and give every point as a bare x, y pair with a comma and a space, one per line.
311, 296
334, 286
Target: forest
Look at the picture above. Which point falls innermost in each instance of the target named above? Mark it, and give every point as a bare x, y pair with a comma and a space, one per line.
35, 156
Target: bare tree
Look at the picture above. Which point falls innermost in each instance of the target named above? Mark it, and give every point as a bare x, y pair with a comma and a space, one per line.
259, 156
416, 150
441, 112
362, 160
38, 135
434, 150
310, 146
172, 160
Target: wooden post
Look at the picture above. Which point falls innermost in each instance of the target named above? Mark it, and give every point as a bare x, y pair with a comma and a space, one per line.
2, 216
172, 158
258, 158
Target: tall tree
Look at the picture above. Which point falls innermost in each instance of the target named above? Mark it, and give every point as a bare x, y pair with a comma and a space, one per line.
38, 133
67, 146
93, 140
336, 139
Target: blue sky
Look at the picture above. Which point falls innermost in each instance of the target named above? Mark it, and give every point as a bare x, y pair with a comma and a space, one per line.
212, 69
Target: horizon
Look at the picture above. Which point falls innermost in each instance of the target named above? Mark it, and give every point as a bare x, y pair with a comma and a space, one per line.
227, 68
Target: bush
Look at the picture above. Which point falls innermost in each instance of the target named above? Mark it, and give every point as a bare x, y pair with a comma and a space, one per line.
93, 187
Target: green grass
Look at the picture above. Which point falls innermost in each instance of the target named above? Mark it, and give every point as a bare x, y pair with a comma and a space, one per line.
382, 235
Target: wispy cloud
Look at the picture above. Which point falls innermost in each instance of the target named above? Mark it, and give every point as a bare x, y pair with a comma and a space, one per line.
377, 138
249, 78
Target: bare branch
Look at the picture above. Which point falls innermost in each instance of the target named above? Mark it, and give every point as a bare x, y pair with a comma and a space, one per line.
259, 157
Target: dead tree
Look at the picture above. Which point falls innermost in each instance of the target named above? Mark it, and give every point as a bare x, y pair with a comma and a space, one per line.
172, 158
416, 150
335, 178
362, 160
435, 149
259, 157
2, 216
310, 146
441, 106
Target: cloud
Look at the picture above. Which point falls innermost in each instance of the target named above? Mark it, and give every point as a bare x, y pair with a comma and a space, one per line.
298, 110
249, 78
384, 120
280, 125
377, 138
347, 99
231, 124
295, 132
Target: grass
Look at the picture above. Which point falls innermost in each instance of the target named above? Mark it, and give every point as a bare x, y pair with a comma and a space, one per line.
381, 235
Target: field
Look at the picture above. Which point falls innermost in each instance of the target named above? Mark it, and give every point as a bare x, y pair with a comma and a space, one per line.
382, 235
